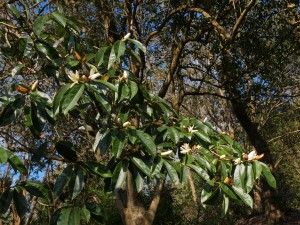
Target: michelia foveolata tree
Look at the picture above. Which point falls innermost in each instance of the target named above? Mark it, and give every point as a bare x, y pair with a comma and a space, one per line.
57, 75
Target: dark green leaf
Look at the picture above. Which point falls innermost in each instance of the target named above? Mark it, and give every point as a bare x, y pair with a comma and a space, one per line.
5, 200
173, 134
58, 99
102, 55
257, 169
118, 144
62, 180
99, 169
121, 175
59, 18
143, 166
138, 44
147, 142
172, 173
16, 69
39, 24
86, 214
16, 163
71, 97
225, 205
103, 141
239, 176
246, 198
133, 89
227, 190
201, 172
37, 189
20, 202
119, 48
268, 175
202, 136
64, 148
76, 183
12, 111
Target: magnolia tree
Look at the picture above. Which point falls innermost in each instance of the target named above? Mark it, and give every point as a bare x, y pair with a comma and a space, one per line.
56, 75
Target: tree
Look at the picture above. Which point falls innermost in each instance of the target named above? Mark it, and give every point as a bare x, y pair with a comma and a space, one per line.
86, 106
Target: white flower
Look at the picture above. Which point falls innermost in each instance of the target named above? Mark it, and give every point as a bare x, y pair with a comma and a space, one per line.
191, 129
237, 161
126, 36
185, 148
252, 155
93, 75
125, 74
222, 156
33, 87
74, 76
166, 153
126, 124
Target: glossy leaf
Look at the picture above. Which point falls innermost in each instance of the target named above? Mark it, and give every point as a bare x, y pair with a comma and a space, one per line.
172, 173
225, 206
202, 136
5, 200
201, 172
239, 176
246, 198
58, 99
71, 97
37, 189
118, 144
257, 169
147, 142
146, 169
133, 89
103, 141
98, 169
16, 69
70, 215
138, 44
20, 202
121, 175
173, 134
65, 149
249, 178
76, 183
119, 48
62, 180
16, 163
268, 175
12, 111
228, 190
59, 18
39, 24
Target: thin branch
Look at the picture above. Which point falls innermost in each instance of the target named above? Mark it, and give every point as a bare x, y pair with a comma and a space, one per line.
284, 135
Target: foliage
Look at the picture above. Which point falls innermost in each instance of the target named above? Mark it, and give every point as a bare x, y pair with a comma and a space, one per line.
61, 82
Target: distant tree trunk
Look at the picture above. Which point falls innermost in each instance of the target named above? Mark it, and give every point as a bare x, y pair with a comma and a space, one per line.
266, 194
132, 211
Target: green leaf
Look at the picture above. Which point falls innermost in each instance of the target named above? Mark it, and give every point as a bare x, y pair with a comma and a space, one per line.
208, 196
62, 180
118, 144
250, 178
205, 163
147, 142
201, 172
123, 91
122, 175
39, 24
71, 97
98, 169
107, 84
246, 198
146, 169
138, 44
20, 202
5, 200
16, 69
69, 216
174, 134
3, 155
183, 174
103, 141
14, 10
76, 183
102, 55
12, 111
59, 18
37, 189
138, 179
227, 190
112, 58
133, 89
239, 176
16, 163
64, 148
172, 172
157, 165
257, 169
58, 99
202, 136
225, 205
268, 175
119, 48
85, 213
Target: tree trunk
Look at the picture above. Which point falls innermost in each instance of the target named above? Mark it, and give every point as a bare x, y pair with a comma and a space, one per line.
266, 194
132, 211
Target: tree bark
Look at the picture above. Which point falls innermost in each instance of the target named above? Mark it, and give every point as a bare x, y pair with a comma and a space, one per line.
132, 211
